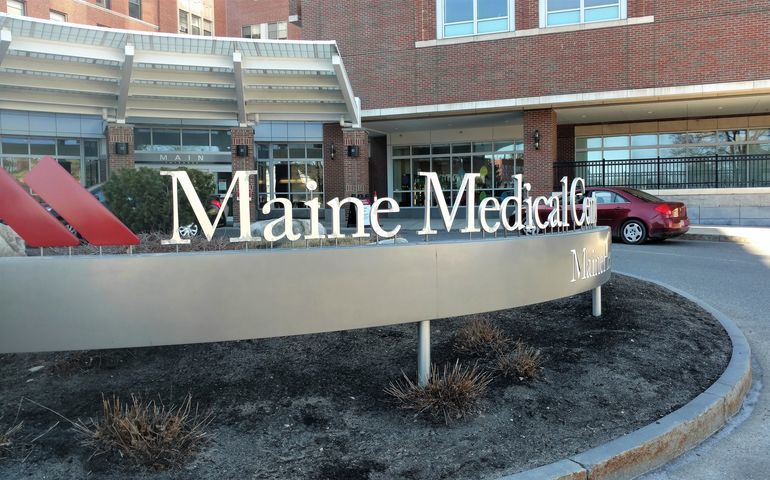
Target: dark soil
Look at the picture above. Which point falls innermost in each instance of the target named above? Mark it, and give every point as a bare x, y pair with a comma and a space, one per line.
313, 406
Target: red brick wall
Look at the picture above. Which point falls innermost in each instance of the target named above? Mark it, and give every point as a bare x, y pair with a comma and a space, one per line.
565, 143
538, 163
690, 42
116, 17
345, 176
231, 15
119, 134
243, 136
378, 166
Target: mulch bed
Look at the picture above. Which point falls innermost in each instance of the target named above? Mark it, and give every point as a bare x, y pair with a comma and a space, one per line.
313, 406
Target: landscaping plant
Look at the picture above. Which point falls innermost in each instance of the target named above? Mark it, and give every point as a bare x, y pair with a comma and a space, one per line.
523, 362
147, 432
481, 338
449, 395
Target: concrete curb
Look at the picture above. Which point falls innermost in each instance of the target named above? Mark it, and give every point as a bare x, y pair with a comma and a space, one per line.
658, 443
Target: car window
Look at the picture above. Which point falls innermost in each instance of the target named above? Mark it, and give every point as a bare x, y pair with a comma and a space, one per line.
604, 198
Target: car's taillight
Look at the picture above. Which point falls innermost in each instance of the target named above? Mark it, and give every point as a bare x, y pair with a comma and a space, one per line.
663, 209
216, 202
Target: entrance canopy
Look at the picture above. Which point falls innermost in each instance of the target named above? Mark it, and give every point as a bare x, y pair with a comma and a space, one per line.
126, 75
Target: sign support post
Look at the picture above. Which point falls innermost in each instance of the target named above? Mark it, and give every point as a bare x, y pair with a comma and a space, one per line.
596, 299
423, 353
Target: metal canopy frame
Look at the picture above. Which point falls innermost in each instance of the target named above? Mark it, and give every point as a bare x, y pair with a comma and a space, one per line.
125, 74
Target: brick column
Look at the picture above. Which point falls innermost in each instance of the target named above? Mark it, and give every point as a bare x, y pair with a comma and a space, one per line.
119, 133
538, 163
243, 136
345, 176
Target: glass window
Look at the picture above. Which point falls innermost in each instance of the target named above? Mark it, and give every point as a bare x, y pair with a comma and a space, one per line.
57, 16
166, 140
15, 146
644, 140
570, 12
421, 150
401, 151
183, 21
91, 148
277, 30
251, 31
471, 17
402, 177
280, 150
68, 147
196, 25
440, 149
220, 141
104, 3
42, 146
263, 151
135, 8
616, 142
461, 148
142, 139
18, 167
762, 135
315, 150
72, 166
297, 150
208, 28
15, 7
195, 140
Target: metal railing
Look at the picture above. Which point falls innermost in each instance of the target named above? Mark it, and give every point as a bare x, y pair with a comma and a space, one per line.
718, 171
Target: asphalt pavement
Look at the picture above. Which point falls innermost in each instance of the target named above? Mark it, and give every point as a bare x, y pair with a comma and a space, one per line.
734, 279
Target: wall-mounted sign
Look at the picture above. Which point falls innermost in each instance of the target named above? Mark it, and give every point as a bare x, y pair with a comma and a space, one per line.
182, 158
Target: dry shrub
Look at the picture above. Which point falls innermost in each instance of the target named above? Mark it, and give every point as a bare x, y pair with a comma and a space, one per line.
481, 338
147, 432
524, 362
8, 440
450, 395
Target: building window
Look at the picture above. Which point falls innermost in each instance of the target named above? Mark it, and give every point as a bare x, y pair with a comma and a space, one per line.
569, 12
57, 16
16, 8
208, 28
196, 25
277, 31
104, 3
251, 31
458, 18
183, 22
495, 162
286, 170
181, 140
19, 155
135, 9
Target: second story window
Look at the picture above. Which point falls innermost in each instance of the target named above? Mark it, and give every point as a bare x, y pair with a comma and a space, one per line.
474, 17
104, 3
57, 16
135, 9
251, 31
277, 31
569, 12
15, 8
183, 22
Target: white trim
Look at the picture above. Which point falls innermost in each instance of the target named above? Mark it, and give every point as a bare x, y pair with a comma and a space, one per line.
535, 31
577, 99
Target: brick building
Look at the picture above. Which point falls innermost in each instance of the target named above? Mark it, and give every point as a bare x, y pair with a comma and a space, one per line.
671, 97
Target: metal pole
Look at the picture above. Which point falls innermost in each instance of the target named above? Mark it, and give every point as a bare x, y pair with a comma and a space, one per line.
423, 352
596, 300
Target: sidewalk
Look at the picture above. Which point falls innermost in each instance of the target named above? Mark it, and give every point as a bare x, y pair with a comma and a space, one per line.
717, 233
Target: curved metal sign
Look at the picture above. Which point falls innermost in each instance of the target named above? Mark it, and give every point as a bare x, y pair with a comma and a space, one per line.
72, 303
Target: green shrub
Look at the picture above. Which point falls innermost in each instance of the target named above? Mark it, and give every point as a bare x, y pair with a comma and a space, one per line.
142, 200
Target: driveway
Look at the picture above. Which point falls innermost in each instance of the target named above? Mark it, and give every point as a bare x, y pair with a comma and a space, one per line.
734, 279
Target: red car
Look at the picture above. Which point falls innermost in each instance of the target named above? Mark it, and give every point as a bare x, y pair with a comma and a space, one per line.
635, 216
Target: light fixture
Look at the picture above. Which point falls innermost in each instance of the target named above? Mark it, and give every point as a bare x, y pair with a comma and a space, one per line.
353, 151
121, 148
536, 139
331, 151
242, 150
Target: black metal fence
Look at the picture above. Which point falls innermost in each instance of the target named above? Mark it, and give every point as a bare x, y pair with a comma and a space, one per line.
728, 171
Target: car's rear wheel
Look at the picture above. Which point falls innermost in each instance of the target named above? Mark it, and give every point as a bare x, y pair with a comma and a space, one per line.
633, 232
